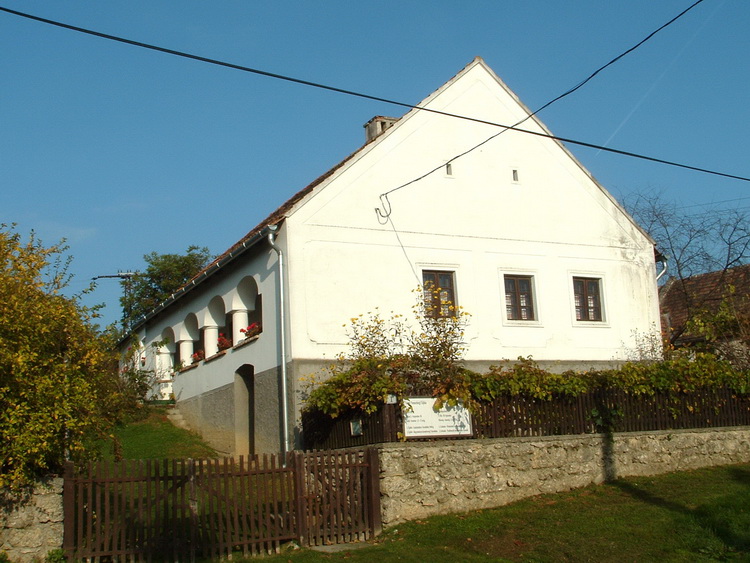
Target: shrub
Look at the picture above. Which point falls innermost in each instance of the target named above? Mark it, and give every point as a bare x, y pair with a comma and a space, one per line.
387, 357
59, 385
680, 373
525, 377
55, 556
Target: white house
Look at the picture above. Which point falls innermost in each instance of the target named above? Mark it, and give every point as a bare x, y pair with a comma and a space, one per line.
544, 259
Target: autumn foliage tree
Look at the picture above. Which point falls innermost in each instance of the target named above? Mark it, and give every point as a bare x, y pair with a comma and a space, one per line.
59, 386
388, 357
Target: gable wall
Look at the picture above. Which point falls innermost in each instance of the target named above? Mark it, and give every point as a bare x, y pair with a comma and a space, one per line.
553, 224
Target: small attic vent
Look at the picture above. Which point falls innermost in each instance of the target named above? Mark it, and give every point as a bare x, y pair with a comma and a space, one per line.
378, 125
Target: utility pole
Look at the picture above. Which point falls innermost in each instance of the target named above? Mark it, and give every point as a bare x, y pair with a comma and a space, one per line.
125, 276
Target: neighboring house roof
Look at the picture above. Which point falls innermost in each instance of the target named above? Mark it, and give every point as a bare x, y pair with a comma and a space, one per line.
258, 233
680, 300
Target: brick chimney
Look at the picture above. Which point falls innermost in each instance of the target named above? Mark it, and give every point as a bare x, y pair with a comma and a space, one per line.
378, 125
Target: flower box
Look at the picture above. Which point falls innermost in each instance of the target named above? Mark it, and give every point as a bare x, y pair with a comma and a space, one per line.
251, 331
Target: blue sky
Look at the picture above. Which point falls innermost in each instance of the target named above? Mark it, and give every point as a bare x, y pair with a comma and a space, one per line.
124, 151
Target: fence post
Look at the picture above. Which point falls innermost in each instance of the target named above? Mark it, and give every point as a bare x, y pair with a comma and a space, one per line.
193, 505
69, 511
300, 496
373, 489
387, 423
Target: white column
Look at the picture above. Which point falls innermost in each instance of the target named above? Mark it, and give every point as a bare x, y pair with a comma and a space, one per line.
211, 340
163, 364
239, 320
186, 351
164, 375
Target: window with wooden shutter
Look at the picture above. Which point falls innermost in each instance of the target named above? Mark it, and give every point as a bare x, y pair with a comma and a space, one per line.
588, 301
519, 300
439, 293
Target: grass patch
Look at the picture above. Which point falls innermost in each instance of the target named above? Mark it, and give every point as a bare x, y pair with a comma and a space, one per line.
153, 436
701, 515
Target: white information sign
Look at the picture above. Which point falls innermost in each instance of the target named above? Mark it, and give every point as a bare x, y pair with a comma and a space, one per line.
422, 421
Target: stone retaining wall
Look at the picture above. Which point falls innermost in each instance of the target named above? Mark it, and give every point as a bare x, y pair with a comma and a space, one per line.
421, 479
32, 528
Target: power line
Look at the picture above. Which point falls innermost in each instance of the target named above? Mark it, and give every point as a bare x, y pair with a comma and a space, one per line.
618, 57
713, 203
384, 200
385, 215
365, 96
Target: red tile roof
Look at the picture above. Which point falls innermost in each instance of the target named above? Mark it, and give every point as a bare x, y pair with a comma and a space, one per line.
251, 237
680, 300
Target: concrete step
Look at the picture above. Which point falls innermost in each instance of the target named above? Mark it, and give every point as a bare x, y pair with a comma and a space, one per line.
176, 418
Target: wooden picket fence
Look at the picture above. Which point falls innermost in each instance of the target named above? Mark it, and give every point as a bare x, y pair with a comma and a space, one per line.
174, 510
518, 415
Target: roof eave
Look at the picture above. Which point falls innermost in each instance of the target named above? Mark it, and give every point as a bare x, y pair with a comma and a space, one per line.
206, 273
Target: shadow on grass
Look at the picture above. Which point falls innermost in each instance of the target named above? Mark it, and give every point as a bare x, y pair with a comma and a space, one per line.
740, 475
608, 457
717, 518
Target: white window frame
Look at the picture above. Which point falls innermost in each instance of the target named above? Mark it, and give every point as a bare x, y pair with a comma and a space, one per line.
447, 270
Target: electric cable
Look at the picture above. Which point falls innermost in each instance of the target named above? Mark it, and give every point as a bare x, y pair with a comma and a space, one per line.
384, 200
363, 95
618, 57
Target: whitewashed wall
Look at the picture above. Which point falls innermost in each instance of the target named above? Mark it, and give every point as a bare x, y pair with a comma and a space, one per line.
550, 220
262, 354
554, 223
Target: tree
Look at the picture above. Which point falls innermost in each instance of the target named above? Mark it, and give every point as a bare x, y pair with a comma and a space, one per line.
694, 243
697, 243
387, 357
164, 274
59, 386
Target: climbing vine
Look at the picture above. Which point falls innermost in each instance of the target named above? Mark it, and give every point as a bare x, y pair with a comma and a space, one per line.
387, 357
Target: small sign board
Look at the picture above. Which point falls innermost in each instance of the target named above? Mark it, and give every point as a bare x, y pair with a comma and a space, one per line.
422, 421
355, 427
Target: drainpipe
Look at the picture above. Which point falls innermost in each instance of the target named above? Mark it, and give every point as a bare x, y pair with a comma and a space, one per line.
664, 268
282, 334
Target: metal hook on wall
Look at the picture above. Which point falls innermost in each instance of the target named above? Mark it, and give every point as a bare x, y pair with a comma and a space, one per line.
386, 211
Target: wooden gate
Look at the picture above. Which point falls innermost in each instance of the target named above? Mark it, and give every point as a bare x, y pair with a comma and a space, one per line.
183, 509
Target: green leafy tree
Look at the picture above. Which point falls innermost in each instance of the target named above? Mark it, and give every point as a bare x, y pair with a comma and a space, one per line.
164, 274
59, 385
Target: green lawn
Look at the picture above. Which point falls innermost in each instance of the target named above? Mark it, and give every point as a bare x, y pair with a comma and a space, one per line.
701, 515
690, 516
153, 436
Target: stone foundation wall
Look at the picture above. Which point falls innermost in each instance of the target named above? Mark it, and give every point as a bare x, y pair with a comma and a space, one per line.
32, 528
427, 478
212, 416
